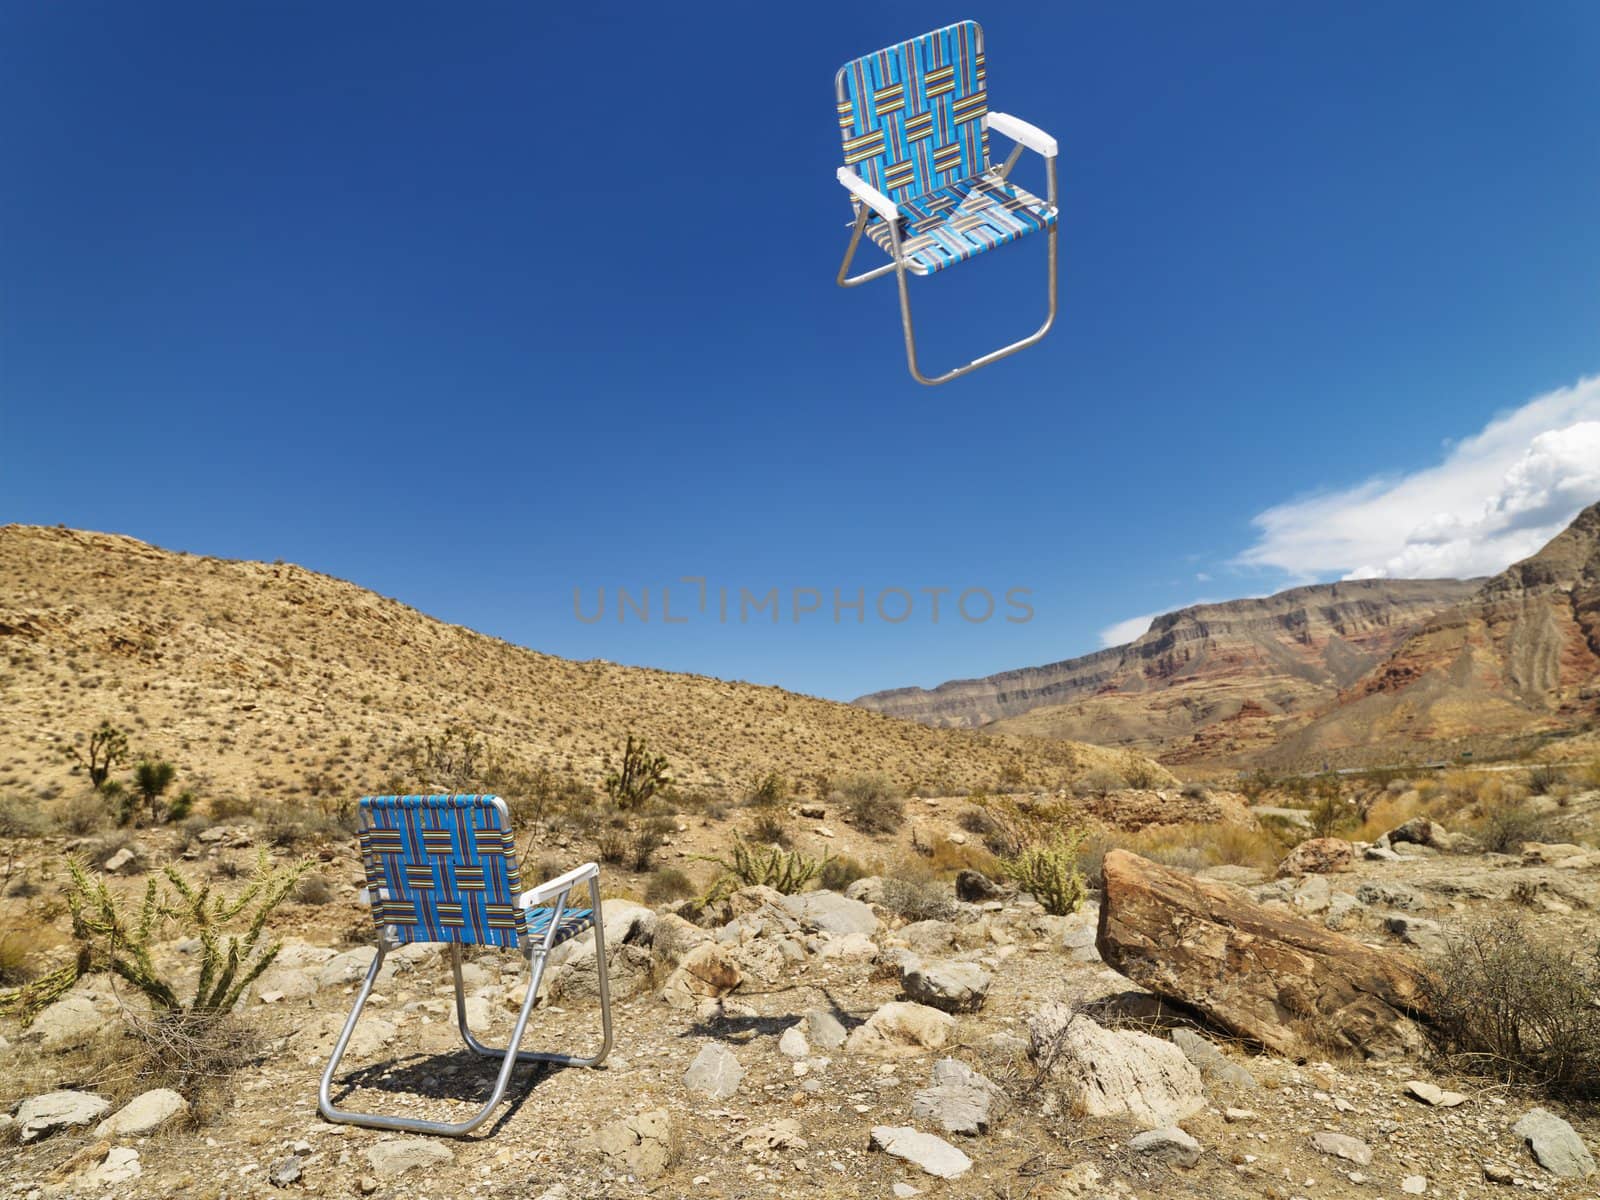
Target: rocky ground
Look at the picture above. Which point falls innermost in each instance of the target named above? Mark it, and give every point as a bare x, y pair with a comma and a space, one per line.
823, 1045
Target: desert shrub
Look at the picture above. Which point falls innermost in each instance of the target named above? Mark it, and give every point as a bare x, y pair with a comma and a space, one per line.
533, 797
105, 847
1013, 775
1141, 773
1048, 871
1544, 779
919, 900
649, 837
313, 889
290, 825
1506, 1004
1098, 781
785, 871
1330, 812
19, 819
769, 791
451, 760
1503, 828
771, 829
717, 810
1588, 775
181, 807
231, 808
19, 948
1255, 785
977, 819
614, 845
839, 873
666, 885
110, 938
640, 776
81, 814
870, 802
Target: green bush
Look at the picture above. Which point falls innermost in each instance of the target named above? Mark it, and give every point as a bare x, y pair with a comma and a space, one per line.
771, 829
769, 791
1048, 871
871, 802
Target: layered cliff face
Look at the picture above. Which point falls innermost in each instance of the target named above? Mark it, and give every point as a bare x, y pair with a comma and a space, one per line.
1520, 656
1245, 665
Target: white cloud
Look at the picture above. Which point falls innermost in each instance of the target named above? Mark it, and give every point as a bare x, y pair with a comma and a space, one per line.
1496, 497
1126, 631
1202, 577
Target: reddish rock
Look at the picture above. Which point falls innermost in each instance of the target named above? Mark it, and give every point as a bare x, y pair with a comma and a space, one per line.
1318, 856
1274, 979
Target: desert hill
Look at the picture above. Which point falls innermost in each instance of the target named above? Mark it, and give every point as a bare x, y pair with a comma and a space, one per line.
276, 681
1519, 658
1207, 680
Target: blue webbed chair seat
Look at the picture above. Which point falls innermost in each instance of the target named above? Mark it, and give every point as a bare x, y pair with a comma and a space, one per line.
960, 220
573, 922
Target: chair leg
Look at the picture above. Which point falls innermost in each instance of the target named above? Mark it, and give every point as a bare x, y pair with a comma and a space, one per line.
862, 217
329, 1112
539, 956
984, 359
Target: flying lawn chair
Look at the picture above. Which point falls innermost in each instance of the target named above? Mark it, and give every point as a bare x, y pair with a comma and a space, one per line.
916, 124
443, 869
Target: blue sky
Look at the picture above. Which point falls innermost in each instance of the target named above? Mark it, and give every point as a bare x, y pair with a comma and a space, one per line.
479, 305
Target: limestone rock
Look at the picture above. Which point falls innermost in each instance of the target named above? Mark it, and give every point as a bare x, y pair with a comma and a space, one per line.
782, 1134
642, 1144
1555, 1145
1273, 978
901, 1028
1342, 1145
793, 1043
43, 1115
1433, 1094
715, 1072
1215, 1067
1390, 895
824, 1030
933, 1155
144, 1114
351, 966
1169, 1144
392, 1157
832, 913
120, 1165
675, 937
1318, 856
707, 972
1114, 1072
959, 1099
946, 985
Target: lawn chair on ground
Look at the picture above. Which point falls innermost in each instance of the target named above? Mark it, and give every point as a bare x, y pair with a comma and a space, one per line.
443, 869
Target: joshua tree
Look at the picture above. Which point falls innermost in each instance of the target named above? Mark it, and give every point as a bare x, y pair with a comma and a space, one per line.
643, 775
152, 778
108, 746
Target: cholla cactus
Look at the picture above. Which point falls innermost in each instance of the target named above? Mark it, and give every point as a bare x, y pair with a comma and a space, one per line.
1048, 870
110, 939
785, 871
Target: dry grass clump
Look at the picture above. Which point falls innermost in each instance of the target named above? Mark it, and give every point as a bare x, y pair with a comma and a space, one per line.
839, 873
1192, 847
1504, 827
871, 802
1098, 781
1508, 1005
666, 885
81, 814
313, 889
19, 818
919, 899
21, 948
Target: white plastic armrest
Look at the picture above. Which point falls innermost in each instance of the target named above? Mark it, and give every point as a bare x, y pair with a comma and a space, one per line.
1023, 134
868, 195
561, 883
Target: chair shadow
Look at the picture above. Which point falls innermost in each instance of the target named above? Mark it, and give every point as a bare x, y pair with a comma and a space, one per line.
723, 1026
458, 1077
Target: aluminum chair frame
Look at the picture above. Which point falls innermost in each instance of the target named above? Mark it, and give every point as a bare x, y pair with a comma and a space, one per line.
870, 200
537, 956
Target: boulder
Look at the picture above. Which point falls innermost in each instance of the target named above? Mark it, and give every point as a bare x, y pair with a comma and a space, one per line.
1390, 895
641, 1144
1554, 1144
868, 890
1318, 856
931, 1154
706, 973
715, 1072
975, 887
959, 1099
1169, 1144
1419, 831
944, 984
1268, 976
144, 1114
901, 1028
392, 1157
120, 1165
1111, 1072
675, 937
628, 971
1417, 932
928, 937
43, 1115
1312, 895
69, 1022
352, 966
832, 913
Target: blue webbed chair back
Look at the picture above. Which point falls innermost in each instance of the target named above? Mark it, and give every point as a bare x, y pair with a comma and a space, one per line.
442, 869
912, 114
